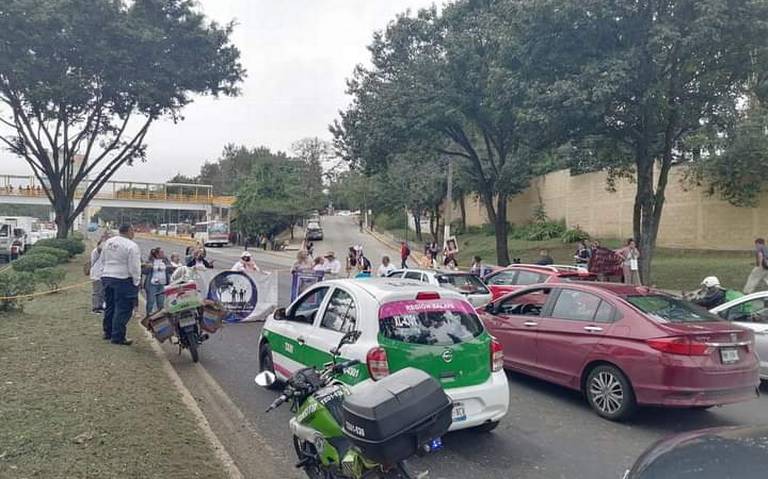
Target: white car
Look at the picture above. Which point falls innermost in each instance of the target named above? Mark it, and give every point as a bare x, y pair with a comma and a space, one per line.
402, 324
468, 284
751, 312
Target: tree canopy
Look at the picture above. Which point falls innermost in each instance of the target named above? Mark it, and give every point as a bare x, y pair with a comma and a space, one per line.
82, 81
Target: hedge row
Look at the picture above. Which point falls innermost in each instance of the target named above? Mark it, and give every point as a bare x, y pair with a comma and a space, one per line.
73, 246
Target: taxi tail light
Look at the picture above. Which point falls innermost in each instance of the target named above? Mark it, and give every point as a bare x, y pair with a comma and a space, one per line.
497, 356
376, 360
427, 295
682, 345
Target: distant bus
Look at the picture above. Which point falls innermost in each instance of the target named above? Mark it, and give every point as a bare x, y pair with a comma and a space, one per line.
212, 233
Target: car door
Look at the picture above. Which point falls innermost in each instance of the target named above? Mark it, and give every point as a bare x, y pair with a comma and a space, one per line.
339, 317
752, 314
514, 322
569, 332
289, 336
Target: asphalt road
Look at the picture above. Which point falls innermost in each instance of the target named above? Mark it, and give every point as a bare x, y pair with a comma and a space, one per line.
549, 433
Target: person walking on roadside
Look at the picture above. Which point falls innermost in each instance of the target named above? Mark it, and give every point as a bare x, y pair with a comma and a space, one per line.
405, 252
760, 270
95, 271
246, 264
385, 268
631, 268
157, 275
121, 277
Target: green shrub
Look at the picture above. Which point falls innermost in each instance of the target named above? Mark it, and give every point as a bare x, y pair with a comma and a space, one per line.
72, 245
50, 277
61, 255
574, 235
13, 283
34, 262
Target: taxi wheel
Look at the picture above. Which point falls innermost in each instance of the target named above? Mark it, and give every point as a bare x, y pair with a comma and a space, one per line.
609, 393
267, 364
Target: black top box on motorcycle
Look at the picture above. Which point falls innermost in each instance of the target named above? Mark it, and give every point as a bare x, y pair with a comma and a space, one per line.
391, 418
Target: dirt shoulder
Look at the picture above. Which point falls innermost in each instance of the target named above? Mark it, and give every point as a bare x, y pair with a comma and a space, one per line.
74, 405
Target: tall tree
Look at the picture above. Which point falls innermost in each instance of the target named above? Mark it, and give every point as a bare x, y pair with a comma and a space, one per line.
450, 79
639, 83
82, 81
313, 152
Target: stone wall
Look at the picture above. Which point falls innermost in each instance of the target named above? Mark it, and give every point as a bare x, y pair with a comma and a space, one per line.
691, 219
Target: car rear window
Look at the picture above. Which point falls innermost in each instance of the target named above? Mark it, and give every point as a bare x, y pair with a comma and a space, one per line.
667, 309
432, 322
463, 283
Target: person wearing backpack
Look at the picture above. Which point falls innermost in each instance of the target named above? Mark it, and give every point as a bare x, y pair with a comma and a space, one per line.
760, 271
405, 252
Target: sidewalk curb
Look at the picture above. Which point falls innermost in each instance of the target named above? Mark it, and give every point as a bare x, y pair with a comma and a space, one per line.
189, 401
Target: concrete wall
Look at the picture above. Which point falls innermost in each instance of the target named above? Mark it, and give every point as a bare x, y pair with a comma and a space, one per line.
690, 219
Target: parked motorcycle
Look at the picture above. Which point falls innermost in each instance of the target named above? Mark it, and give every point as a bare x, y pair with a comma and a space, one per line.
365, 432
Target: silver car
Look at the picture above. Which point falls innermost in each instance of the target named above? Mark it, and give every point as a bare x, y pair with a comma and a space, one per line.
751, 312
472, 287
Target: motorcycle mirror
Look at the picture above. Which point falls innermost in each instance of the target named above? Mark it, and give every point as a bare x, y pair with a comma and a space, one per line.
265, 378
350, 337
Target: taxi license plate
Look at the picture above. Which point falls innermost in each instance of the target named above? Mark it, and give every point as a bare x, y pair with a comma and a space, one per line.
187, 321
728, 356
459, 413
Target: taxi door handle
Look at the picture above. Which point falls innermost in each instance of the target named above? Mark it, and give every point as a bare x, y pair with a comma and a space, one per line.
530, 324
593, 329
301, 340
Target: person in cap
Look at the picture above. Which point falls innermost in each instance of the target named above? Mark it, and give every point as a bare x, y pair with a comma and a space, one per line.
711, 294
246, 264
332, 265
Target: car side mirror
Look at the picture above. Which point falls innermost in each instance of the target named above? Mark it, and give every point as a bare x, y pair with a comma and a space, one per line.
491, 308
280, 314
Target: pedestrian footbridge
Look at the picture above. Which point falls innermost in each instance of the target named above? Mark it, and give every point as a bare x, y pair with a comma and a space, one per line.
26, 190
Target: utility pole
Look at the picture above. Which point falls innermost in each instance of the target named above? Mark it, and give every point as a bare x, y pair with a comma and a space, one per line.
448, 216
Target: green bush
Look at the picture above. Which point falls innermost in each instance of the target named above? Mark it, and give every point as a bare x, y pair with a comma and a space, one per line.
539, 231
61, 255
34, 262
574, 235
50, 277
13, 283
73, 246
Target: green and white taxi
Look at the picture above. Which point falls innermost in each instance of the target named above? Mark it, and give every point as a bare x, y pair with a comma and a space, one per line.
401, 323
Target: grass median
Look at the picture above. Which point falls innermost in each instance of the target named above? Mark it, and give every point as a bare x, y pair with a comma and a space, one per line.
74, 405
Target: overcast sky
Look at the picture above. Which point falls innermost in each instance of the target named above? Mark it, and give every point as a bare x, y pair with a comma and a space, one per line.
298, 54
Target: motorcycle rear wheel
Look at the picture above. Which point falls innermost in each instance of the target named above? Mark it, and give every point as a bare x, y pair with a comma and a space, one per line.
192, 345
307, 453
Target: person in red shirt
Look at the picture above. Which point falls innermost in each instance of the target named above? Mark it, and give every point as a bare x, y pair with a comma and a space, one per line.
405, 252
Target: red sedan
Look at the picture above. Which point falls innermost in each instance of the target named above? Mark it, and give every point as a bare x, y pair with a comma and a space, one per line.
624, 346
518, 276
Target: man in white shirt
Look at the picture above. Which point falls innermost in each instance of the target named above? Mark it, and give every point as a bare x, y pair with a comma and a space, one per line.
385, 268
120, 276
96, 269
332, 265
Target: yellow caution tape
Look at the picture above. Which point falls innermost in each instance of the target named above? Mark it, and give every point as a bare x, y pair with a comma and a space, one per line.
43, 293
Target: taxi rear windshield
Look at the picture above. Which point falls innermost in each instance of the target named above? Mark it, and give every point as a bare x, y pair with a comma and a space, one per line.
433, 328
463, 283
667, 309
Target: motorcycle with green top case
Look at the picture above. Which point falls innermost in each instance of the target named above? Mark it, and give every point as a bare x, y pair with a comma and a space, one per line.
323, 447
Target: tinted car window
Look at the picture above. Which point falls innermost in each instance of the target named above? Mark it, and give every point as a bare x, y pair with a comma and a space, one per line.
306, 309
413, 275
575, 305
755, 311
528, 304
505, 278
529, 277
463, 283
435, 328
667, 309
341, 313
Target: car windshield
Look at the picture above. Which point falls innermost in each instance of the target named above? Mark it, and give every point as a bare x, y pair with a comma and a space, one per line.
432, 326
667, 309
463, 283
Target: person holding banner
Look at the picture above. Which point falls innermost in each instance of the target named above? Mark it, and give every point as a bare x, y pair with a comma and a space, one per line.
332, 265
302, 262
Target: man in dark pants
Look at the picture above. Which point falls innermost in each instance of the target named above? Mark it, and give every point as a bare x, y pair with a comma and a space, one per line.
121, 278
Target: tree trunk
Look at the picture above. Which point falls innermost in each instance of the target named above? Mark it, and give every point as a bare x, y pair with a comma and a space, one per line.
62, 210
502, 231
417, 226
646, 217
463, 209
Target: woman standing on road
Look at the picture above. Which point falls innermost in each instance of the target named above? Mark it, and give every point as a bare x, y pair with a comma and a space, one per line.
631, 256
351, 261
157, 274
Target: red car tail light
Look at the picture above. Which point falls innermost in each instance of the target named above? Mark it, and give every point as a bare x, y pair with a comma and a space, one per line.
376, 360
497, 356
427, 295
682, 345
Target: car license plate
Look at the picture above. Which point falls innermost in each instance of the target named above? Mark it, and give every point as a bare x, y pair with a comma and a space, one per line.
187, 321
459, 413
728, 356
